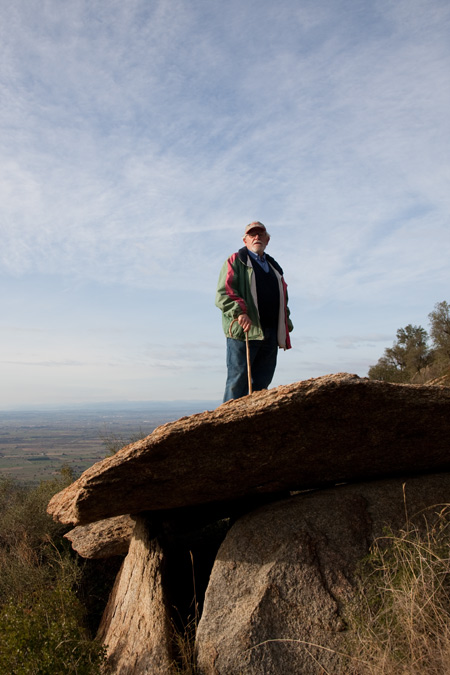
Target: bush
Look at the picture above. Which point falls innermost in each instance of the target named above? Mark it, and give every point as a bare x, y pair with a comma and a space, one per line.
45, 636
42, 621
27, 536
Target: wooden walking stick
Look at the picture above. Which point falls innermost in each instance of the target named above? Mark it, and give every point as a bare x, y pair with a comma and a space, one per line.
247, 350
249, 370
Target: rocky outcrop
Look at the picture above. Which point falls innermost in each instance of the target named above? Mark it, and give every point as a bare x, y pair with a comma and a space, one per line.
284, 577
280, 586
284, 574
103, 539
311, 434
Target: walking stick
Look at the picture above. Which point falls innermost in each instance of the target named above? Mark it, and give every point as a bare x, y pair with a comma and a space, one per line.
247, 350
249, 371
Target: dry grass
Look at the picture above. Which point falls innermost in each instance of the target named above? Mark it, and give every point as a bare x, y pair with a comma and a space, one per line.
402, 619
184, 638
184, 645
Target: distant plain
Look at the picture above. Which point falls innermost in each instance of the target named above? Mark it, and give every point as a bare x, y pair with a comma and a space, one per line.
36, 445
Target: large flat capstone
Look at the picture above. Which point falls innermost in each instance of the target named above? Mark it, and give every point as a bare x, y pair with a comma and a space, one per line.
319, 432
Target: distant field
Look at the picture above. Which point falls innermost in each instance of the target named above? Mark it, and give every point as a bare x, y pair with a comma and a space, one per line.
34, 446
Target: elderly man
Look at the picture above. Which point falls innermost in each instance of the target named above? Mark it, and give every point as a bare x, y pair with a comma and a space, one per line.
253, 298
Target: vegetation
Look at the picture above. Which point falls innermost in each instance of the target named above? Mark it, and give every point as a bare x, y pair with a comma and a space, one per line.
440, 332
401, 621
184, 648
42, 619
411, 358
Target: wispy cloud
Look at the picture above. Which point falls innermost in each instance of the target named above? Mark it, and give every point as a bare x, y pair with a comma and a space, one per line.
45, 364
354, 341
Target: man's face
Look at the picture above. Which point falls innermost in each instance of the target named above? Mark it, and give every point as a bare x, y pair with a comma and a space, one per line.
256, 240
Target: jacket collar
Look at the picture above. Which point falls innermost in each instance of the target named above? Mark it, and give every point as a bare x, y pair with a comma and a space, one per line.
244, 258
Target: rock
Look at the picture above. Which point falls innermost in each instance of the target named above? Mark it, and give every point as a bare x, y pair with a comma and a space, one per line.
135, 626
283, 577
331, 429
102, 539
442, 381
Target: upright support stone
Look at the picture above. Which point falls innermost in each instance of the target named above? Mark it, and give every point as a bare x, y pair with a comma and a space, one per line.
135, 626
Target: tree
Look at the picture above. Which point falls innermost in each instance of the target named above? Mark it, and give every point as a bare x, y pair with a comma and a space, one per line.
387, 370
440, 331
407, 356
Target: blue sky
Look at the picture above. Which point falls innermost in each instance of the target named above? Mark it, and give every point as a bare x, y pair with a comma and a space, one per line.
139, 137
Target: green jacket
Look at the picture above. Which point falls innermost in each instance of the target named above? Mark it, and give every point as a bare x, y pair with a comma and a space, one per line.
236, 294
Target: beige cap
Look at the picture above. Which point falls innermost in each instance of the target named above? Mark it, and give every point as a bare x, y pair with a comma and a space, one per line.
256, 225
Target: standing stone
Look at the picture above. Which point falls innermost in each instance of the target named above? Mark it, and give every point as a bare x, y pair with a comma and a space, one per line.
135, 626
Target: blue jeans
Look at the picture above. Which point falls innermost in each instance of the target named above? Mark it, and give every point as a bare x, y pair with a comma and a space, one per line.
263, 360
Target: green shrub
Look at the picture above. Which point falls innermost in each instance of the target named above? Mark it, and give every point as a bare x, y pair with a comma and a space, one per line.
27, 536
45, 636
42, 622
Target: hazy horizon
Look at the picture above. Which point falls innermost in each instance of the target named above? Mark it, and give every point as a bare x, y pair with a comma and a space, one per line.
121, 406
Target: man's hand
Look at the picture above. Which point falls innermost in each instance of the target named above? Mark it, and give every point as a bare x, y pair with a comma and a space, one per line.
245, 322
